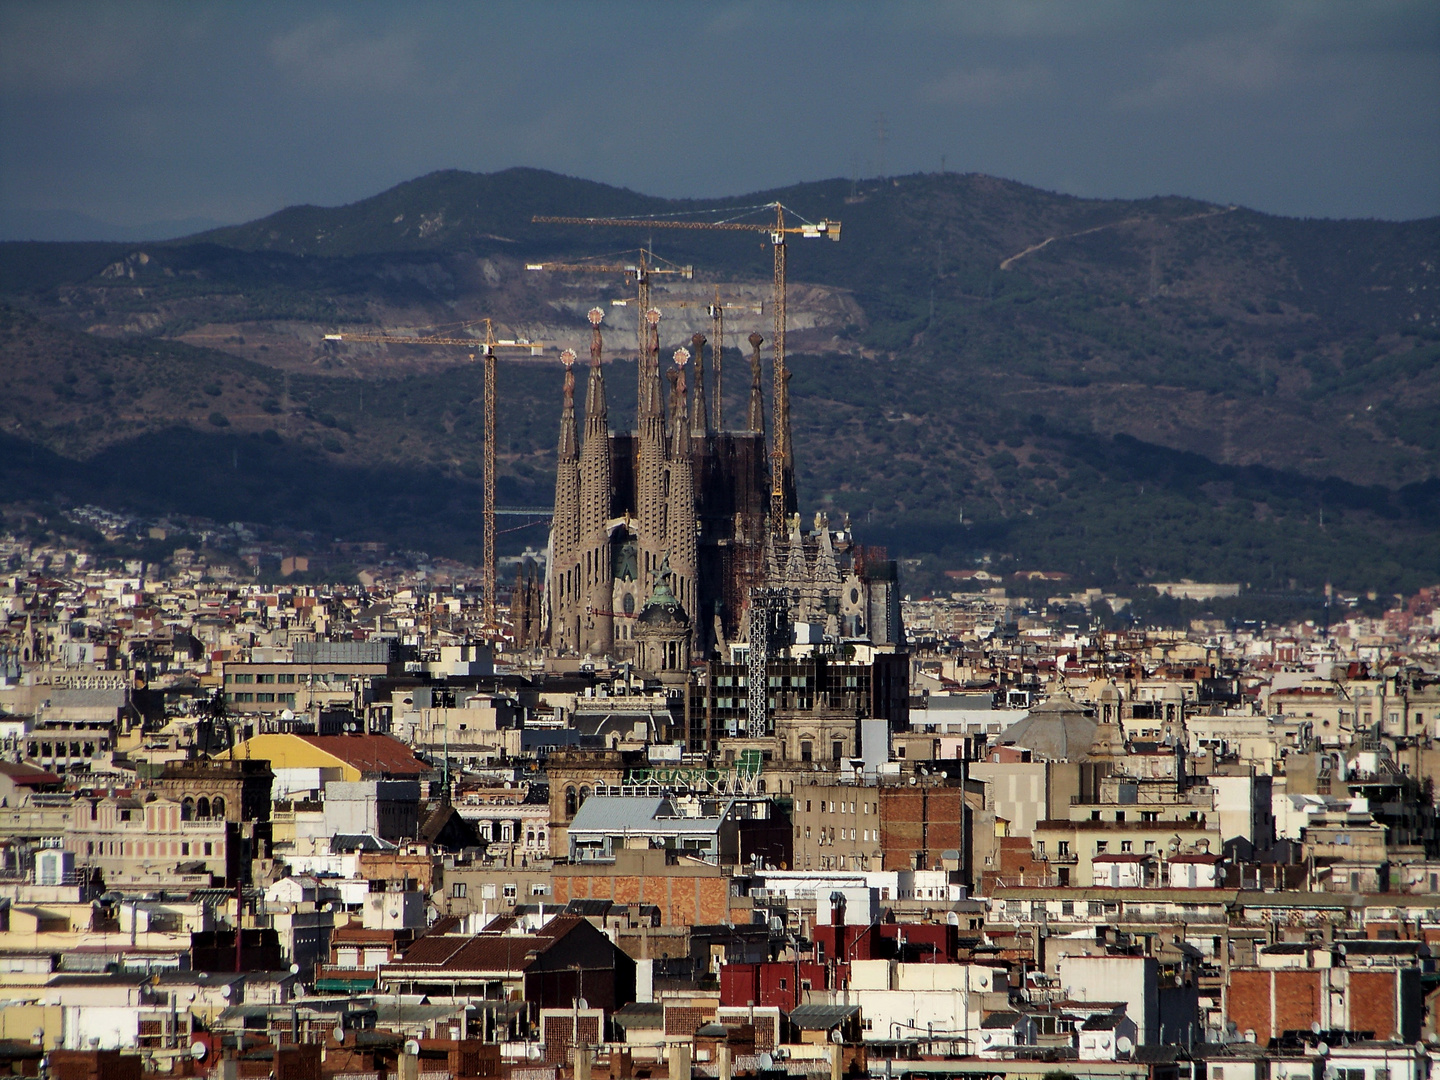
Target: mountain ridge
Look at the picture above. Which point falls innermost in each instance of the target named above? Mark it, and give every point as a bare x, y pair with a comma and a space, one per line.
930, 383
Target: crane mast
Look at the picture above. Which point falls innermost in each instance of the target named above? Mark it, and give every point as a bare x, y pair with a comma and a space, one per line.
487, 349
778, 425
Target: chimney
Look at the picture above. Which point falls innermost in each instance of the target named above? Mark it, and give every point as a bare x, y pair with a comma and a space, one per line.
678, 1058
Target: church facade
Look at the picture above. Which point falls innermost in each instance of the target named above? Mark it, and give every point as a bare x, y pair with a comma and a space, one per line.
680, 498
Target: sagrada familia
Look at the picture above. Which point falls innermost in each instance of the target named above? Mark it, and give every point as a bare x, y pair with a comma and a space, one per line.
667, 528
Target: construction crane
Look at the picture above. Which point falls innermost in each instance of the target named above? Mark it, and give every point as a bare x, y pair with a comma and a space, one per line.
778, 230
487, 346
643, 269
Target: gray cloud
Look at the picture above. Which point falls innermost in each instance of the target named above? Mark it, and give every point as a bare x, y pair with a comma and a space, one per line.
137, 112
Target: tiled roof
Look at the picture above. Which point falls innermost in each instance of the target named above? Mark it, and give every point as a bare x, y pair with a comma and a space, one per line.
371, 754
484, 952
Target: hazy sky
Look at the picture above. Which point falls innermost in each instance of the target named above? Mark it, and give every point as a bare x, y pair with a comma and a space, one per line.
138, 112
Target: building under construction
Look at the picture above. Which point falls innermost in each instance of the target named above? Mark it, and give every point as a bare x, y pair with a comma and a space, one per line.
680, 497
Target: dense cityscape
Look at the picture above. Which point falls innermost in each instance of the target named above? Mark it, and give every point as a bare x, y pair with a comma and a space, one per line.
256, 824
743, 540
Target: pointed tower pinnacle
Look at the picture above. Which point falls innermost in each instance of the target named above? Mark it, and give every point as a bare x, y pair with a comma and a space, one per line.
565, 533
590, 618
757, 397
650, 474
680, 539
560, 593
700, 412
679, 407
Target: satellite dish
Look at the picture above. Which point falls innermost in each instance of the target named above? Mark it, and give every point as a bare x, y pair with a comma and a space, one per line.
287, 714
766, 1061
337, 1033
1323, 1049
1315, 1027
1124, 1045
412, 1047
581, 1003
294, 969
836, 1037
198, 1050
225, 991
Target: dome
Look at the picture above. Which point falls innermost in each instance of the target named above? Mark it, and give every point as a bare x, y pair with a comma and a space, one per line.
662, 611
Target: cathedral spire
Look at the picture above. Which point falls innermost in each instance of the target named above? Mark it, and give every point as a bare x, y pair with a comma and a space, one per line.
650, 499
700, 412
680, 540
569, 449
565, 524
595, 406
680, 428
757, 397
587, 615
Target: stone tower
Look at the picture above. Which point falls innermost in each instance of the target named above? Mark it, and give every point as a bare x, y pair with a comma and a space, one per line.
651, 472
680, 501
596, 631
565, 533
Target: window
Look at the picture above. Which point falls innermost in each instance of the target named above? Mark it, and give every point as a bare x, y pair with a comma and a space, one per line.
457, 890
1127, 846
807, 751
265, 678
217, 807
1062, 848
1100, 846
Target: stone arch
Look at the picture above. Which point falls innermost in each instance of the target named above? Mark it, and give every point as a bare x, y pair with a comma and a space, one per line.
217, 807
202, 808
